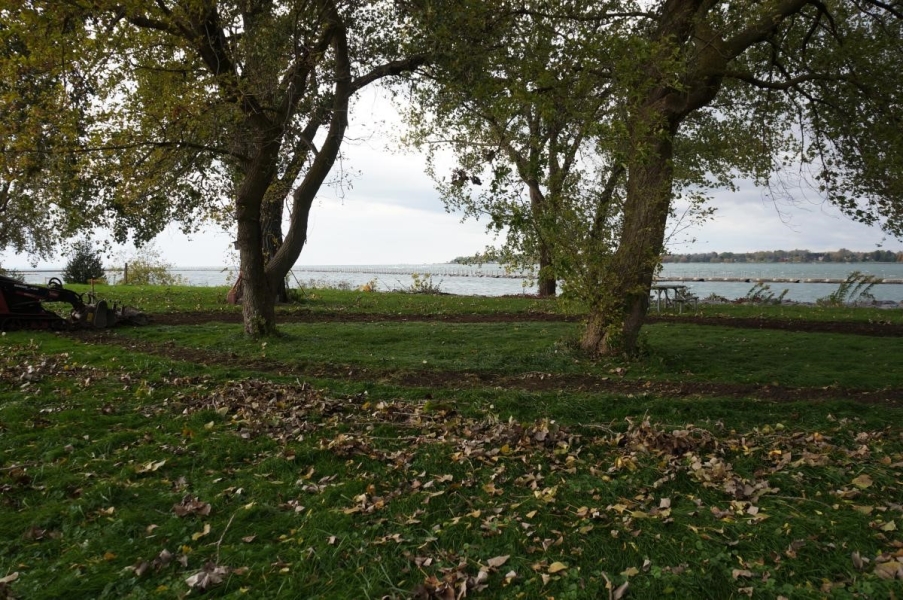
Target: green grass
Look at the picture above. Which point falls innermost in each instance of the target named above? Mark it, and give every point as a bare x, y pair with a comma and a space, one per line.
163, 299
126, 474
673, 351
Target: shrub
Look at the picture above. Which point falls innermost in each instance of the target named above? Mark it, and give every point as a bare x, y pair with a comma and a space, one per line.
761, 293
423, 284
149, 268
84, 263
856, 289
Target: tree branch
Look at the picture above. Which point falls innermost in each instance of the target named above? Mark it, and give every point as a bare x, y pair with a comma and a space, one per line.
396, 67
781, 85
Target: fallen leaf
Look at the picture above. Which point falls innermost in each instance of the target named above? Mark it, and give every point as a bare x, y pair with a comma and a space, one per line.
557, 567
630, 572
209, 576
196, 536
889, 570
737, 573
498, 561
863, 481
151, 466
191, 506
10, 578
248, 539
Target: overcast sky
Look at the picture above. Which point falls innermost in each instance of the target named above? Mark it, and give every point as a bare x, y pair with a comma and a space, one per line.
391, 214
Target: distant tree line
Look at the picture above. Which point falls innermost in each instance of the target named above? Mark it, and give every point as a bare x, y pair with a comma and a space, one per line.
794, 256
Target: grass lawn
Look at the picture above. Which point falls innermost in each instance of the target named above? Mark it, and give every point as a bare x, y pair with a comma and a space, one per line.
176, 461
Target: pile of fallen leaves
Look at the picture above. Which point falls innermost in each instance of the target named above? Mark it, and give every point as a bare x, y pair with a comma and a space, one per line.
343, 425
27, 365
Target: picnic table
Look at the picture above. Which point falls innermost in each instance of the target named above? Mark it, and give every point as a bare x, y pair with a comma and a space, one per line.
671, 295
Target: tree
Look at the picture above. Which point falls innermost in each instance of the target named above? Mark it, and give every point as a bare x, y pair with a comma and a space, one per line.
40, 190
195, 100
508, 95
707, 91
815, 83
84, 263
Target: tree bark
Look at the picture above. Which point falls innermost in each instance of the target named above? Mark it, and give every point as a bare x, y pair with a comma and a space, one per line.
547, 284
258, 300
271, 232
614, 324
546, 279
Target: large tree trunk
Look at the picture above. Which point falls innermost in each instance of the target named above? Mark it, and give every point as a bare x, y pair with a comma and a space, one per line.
546, 280
271, 232
614, 325
258, 298
547, 284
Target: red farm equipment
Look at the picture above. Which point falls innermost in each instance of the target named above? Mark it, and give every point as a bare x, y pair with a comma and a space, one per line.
21, 307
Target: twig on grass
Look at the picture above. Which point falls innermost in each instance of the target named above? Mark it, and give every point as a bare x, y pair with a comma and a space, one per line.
219, 542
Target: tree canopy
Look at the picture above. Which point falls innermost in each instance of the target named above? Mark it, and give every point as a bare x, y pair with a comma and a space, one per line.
182, 110
135, 114
695, 94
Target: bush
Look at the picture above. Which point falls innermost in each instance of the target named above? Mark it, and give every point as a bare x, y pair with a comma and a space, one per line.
84, 264
856, 289
149, 268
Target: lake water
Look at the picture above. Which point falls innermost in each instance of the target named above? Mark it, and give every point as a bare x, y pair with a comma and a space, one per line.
492, 280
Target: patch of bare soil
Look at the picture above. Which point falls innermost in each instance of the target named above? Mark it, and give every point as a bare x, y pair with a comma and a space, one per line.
877, 329
526, 381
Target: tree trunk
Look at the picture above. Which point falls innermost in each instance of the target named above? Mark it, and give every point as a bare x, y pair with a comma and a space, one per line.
258, 298
614, 325
547, 284
271, 232
546, 279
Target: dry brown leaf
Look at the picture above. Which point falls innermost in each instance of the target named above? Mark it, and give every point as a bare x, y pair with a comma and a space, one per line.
619, 592
207, 577
498, 561
863, 481
191, 506
557, 567
889, 570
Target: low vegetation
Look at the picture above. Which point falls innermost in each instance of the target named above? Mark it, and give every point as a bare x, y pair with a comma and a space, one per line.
400, 455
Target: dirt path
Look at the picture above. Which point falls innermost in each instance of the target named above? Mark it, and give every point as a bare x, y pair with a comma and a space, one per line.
533, 381
876, 329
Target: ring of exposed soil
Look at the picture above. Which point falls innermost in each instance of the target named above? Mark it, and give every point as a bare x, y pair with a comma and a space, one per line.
538, 382
876, 329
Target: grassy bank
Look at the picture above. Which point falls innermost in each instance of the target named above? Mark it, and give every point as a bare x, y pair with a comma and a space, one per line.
423, 459
166, 299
